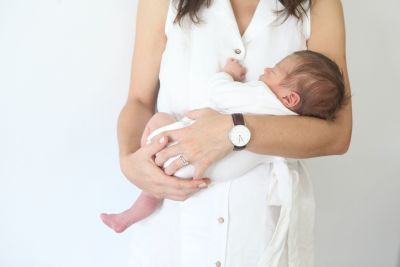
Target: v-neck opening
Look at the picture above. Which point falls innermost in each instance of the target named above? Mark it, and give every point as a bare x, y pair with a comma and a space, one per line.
251, 20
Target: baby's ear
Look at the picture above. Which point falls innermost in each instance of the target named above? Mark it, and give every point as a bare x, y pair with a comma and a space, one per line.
291, 99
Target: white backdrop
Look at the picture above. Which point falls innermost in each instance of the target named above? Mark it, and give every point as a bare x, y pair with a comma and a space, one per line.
64, 76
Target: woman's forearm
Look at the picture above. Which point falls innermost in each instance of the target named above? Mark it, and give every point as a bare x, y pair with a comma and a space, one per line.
131, 122
300, 136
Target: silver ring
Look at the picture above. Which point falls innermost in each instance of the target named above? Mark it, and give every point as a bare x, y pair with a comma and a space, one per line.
183, 160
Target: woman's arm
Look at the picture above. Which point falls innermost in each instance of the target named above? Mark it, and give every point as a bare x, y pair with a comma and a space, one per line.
137, 163
304, 137
149, 45
206, 140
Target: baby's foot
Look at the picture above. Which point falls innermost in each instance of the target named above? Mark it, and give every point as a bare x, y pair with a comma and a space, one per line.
115, 222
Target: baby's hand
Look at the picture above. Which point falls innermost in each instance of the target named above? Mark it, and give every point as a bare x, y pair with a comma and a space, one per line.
235, 69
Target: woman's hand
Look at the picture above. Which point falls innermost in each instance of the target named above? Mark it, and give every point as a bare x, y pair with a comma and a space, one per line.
140, 169
202, 143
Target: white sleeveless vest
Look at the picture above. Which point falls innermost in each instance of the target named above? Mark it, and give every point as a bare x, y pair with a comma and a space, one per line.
230, 223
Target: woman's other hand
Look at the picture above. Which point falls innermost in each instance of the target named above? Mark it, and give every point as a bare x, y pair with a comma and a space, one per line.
202, 143
140, 169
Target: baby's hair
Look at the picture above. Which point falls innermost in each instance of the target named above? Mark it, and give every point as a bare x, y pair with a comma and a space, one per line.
319, 83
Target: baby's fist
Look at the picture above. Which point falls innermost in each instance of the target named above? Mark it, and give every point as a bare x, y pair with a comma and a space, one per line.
235, 69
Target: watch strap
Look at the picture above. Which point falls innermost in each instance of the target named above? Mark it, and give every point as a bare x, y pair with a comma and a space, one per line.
238, 119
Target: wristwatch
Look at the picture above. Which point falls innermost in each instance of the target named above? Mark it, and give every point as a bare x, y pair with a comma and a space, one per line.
239, 135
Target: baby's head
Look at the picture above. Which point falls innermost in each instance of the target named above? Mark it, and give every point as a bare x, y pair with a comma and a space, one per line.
307, 83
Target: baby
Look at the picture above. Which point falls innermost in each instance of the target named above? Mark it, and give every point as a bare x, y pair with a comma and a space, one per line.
304, 83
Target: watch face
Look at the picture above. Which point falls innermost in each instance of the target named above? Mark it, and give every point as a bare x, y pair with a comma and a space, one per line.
239, 135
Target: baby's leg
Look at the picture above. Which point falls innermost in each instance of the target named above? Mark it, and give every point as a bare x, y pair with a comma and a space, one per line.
146, 204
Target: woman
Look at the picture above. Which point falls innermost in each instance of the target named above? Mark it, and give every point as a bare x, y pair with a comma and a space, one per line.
215, 226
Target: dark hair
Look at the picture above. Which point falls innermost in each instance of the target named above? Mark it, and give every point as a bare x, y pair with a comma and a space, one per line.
192, 7
319, 82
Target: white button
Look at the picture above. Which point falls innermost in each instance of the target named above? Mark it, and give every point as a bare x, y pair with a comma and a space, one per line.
218, 264
238, 51
221, 220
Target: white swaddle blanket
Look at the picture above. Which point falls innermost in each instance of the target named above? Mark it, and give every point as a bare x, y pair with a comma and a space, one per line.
228, 96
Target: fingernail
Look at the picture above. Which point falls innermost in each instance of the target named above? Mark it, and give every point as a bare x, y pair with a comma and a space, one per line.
202, 185
161, 140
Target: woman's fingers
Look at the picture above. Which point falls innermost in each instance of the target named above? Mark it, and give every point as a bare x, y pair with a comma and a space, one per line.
180, 189
199, 170
155, 146
174, 166
166, 153
141, 170
172, 135
171, 187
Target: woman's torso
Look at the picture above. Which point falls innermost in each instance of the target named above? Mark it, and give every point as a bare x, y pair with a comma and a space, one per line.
229, 223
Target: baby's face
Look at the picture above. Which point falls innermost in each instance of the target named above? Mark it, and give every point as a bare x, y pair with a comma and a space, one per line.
273, 77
